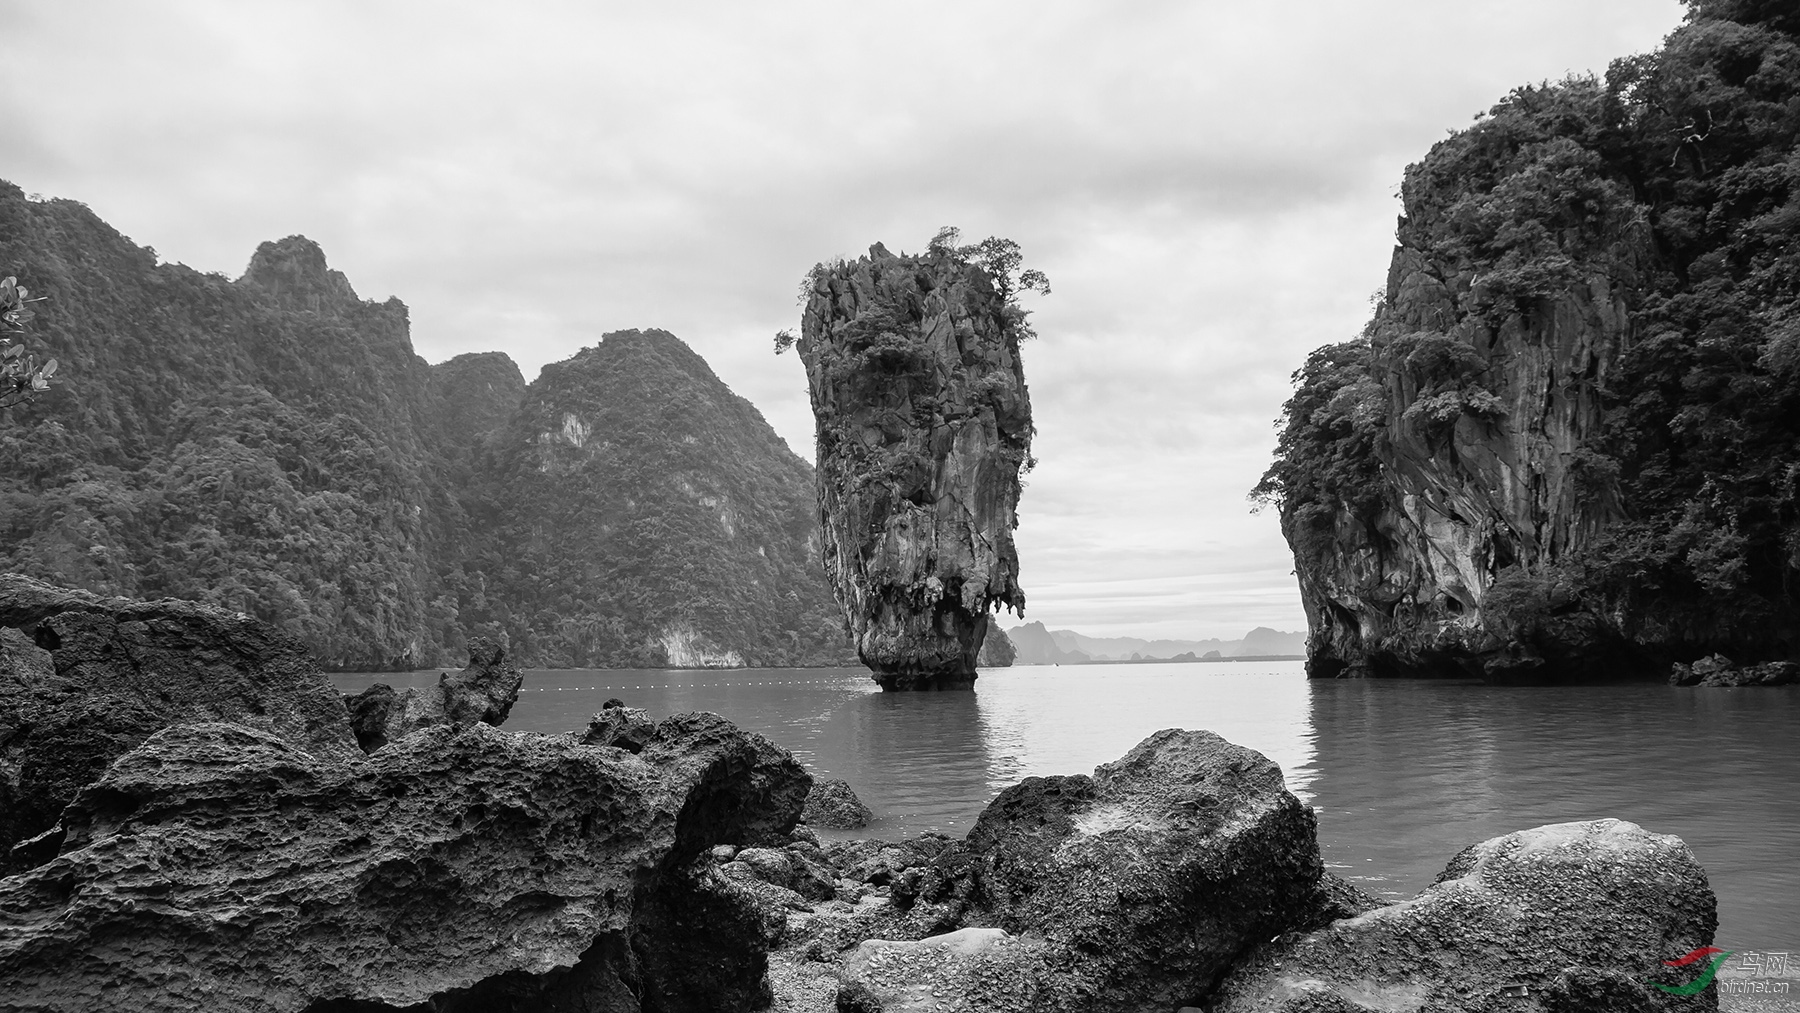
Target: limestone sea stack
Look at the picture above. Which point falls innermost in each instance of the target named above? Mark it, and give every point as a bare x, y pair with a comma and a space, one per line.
924, 425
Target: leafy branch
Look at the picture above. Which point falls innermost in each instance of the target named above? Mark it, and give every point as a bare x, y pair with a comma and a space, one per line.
1000, 258
21, 377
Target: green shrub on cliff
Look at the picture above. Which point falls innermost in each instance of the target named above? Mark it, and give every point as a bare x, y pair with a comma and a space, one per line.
1326, 460
21, 376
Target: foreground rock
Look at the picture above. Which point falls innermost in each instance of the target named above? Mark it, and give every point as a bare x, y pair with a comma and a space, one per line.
1568, 918
221, 867
833, 804
1185, 876
972, 970
1144, 881
923, 426
84, 679
485, 691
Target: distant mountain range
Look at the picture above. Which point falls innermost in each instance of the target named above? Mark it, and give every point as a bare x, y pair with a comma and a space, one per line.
1035, 645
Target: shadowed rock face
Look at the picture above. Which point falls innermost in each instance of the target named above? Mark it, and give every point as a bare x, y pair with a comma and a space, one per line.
219, 867
85, 678
923, 424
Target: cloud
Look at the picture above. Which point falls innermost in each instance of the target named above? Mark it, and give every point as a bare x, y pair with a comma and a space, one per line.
1208, 185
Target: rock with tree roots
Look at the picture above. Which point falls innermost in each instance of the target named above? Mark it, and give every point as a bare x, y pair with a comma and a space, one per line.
923, 425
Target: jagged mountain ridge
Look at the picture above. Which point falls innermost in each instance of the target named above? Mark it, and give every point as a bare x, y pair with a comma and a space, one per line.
1037, 645
1566, 445
273, 445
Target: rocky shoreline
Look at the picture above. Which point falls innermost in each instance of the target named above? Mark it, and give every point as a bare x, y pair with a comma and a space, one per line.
234, 835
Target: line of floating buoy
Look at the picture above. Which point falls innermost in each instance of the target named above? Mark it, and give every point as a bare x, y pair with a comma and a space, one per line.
728, 683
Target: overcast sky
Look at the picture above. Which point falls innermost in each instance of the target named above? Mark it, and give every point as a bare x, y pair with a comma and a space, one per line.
1210, 187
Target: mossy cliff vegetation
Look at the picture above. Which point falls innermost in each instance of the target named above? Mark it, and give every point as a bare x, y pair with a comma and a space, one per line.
273, 445
924, 426
1567, 445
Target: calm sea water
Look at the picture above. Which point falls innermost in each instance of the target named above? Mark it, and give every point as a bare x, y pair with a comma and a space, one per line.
1404, 774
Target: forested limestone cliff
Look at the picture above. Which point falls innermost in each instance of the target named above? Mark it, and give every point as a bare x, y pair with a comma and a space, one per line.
273, 445
924, 424
1568, 443
643, 514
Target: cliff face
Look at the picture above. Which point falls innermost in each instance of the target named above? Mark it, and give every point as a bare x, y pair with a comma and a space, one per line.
646, 515
259, 444
273, 445
923, 424
1563, 446
1486, 406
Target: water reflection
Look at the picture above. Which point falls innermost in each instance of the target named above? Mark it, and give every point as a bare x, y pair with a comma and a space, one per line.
921, 760
1405, 774
1409, 773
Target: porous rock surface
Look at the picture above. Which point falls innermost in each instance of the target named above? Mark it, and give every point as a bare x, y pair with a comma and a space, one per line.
86, 678
218, 866
485, 691
1567, 918
1145, 880
923, 423
833, 804
973, 970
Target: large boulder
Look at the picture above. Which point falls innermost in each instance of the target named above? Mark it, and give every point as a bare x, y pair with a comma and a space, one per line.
1568, 918
1144, 881
85, 678
485, 691
218, 866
